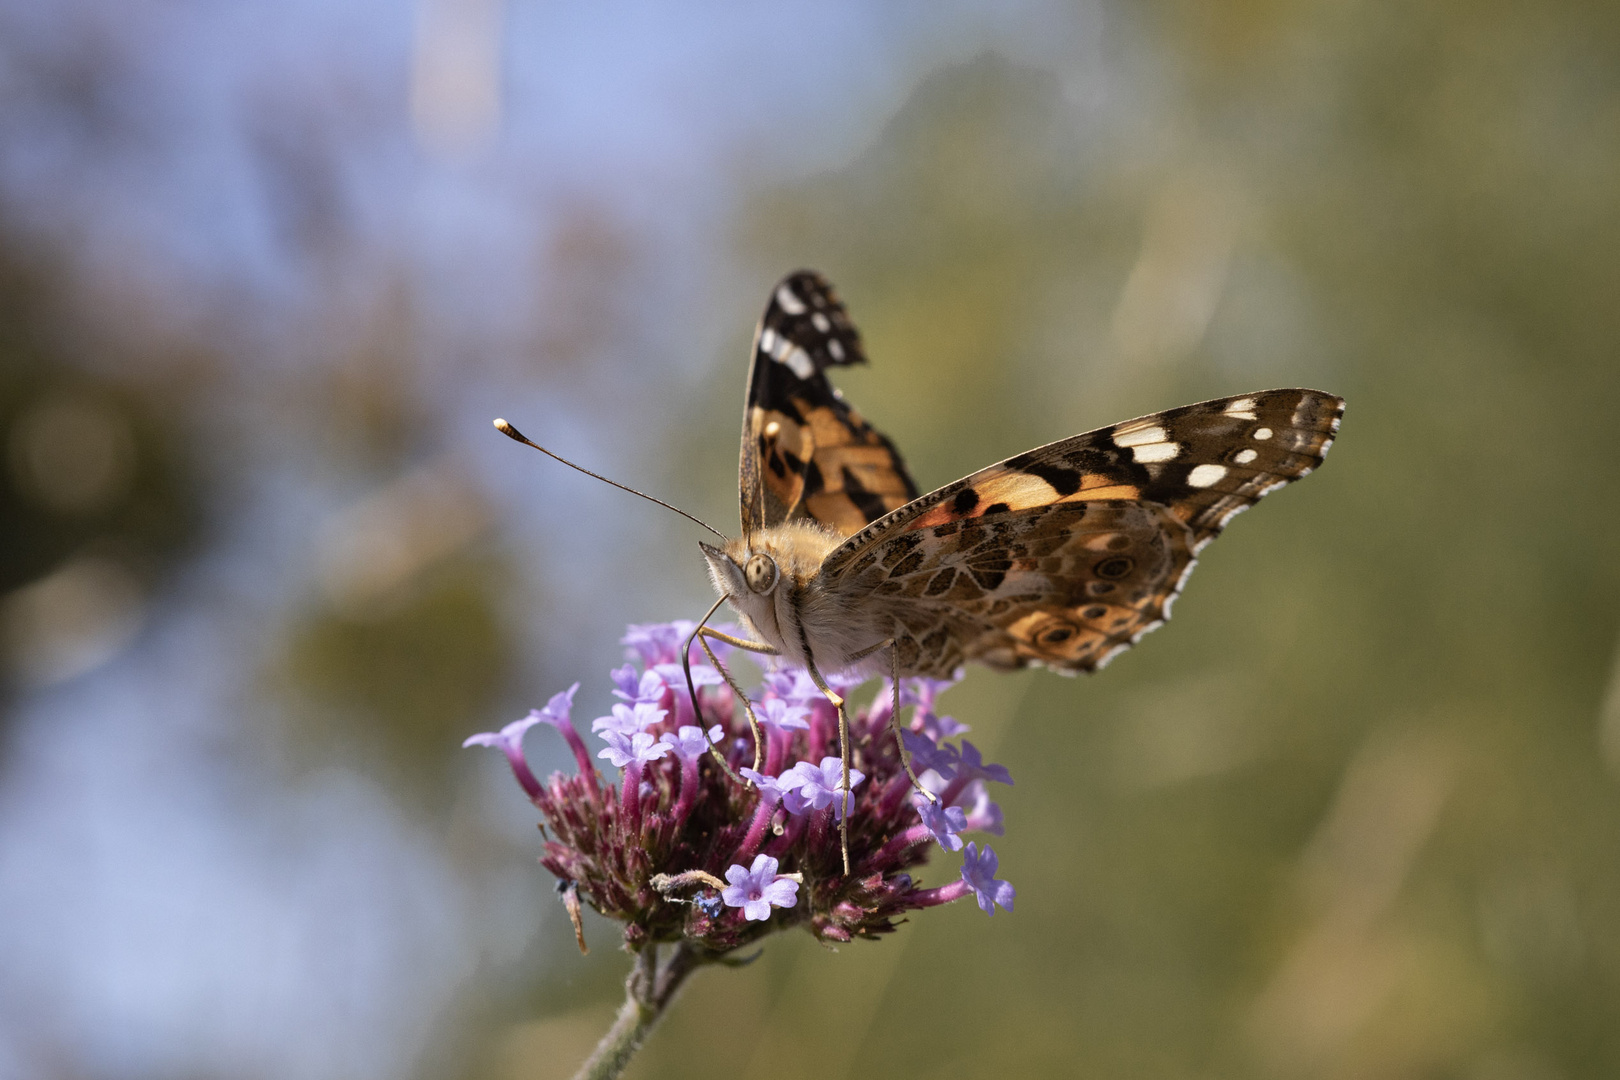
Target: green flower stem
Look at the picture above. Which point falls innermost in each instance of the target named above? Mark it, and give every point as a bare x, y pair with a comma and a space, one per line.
648, 990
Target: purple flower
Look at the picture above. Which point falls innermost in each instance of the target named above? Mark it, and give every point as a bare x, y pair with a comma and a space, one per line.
922, 691
926, 754
672, 674
625, 750
974, 768
940, 728
560, 706
771, 792
758, 889
628, 719
657, 643
808, 787
944, 822
689, 743
649, 686
979, 872
770, 788
509, 740
984, 816
778, 714
660, 643
793, 684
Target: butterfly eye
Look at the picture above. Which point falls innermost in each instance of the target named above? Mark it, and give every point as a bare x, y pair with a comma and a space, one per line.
761, 573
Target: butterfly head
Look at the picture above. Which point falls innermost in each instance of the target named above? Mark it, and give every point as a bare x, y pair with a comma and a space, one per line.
739, 572
742, 574
766, 569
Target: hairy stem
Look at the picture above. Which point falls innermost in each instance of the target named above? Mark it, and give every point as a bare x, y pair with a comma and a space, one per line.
648, 990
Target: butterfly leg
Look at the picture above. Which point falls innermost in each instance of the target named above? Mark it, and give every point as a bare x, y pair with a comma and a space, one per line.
894, 713
894, 721
748, 707
837, 700
699, 634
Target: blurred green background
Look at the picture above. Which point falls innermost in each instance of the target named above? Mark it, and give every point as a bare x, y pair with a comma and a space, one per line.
267, 272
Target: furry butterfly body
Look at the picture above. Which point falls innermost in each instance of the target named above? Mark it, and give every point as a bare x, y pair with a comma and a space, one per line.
1061, 557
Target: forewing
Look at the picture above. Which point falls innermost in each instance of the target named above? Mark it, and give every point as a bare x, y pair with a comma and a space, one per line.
805, 452
1069, 553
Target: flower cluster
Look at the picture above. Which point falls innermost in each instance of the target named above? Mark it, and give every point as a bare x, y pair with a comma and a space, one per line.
697, 846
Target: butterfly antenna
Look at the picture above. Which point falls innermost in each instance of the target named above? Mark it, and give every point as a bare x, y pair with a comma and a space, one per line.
513, 433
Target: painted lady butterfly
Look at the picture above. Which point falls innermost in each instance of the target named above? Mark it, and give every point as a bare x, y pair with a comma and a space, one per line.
1063, 556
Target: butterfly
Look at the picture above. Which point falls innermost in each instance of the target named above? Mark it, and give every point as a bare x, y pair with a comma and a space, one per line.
1061, 557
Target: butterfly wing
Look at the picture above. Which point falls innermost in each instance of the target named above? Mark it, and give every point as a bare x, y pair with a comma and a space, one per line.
805, 452
1067, 554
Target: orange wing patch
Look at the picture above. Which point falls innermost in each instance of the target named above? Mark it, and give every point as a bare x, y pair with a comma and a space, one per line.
805, 453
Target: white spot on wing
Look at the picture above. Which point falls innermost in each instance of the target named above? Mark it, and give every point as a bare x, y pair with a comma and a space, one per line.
1206, 475
799, 362
1152, 452
1262, 433
1241, 409
1181, 583
819, 321
1126, 435
772, 429
1243, 457
836, 349
767, 342
788, 301
1102, 661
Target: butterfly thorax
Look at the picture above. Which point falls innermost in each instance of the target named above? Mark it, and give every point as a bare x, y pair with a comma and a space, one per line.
772, 580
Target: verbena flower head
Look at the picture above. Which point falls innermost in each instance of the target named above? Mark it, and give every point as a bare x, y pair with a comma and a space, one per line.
692, 845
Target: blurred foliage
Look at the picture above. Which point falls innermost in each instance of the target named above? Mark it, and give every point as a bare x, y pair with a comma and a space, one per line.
97, 498
392, 691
